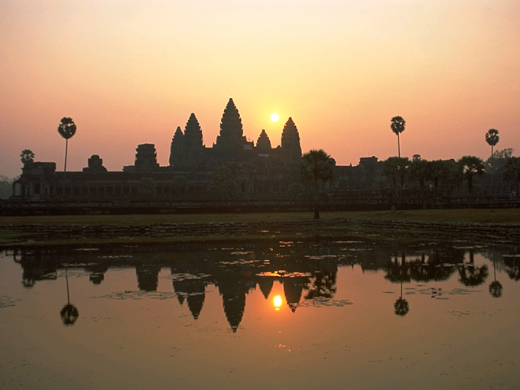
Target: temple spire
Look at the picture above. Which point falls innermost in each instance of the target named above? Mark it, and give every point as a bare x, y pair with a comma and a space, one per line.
176, 147
192, 133
231, 131
291, 140
263, 145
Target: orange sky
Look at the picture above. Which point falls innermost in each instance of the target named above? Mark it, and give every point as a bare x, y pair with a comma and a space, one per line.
131, 71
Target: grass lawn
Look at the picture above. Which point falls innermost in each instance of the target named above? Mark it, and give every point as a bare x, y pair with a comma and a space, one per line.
505, 216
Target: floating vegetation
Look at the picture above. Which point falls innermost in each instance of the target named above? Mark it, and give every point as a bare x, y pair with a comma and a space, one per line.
186, 276
7, 301
325, 302
238, 262
138, 295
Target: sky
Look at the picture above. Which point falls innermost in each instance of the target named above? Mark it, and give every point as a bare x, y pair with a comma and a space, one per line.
130, 71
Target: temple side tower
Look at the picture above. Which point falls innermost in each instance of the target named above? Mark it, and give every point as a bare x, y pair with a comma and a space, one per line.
193, 146
176, 147
291, 140
146, 158
193, 134
263, 145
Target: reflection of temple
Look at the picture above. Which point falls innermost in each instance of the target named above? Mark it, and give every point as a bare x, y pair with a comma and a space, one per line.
234, 275
293, 289
147, 277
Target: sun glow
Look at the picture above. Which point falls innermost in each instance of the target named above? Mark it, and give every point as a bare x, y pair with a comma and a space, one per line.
274, 117
277, 302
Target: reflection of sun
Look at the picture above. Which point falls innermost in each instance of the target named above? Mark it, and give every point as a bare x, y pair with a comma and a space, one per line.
274, 117
277, 302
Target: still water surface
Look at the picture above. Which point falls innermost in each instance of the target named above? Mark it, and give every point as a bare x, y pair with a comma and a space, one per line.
285, 315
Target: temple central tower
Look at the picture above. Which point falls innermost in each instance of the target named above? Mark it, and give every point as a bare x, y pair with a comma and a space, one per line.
231, 131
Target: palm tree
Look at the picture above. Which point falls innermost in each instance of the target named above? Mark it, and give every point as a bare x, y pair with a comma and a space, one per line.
397, 127
471, 166
27, 156
67, 129
317, 166
492, 139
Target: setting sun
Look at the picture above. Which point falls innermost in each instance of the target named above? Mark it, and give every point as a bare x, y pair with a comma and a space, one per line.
274, 117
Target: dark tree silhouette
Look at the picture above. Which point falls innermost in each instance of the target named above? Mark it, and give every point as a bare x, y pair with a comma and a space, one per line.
397, 125
471, 166
401, 307
67, 129
317, 166
492, 139
439, 173
27, 156
395, 169
511, 171
420, 172
69, 314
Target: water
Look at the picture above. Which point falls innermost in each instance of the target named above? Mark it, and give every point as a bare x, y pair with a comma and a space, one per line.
285, 315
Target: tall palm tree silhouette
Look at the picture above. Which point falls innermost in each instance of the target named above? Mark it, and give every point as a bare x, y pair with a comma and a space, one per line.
471, 166
69, 313
492, 139
67, 129
397, 126
317, 166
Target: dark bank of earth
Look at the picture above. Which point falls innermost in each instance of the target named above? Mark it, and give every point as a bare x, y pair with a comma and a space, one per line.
337, 228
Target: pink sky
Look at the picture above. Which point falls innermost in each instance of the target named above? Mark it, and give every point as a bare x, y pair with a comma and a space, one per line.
131, 71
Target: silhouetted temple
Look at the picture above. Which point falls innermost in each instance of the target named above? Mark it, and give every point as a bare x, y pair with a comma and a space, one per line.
234, 174
233, 167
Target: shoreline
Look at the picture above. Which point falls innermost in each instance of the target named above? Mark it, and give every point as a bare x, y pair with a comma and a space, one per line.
436, 225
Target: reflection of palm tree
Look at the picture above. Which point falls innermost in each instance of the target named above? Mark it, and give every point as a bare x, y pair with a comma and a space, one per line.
401, 307
495, 288
69, 313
